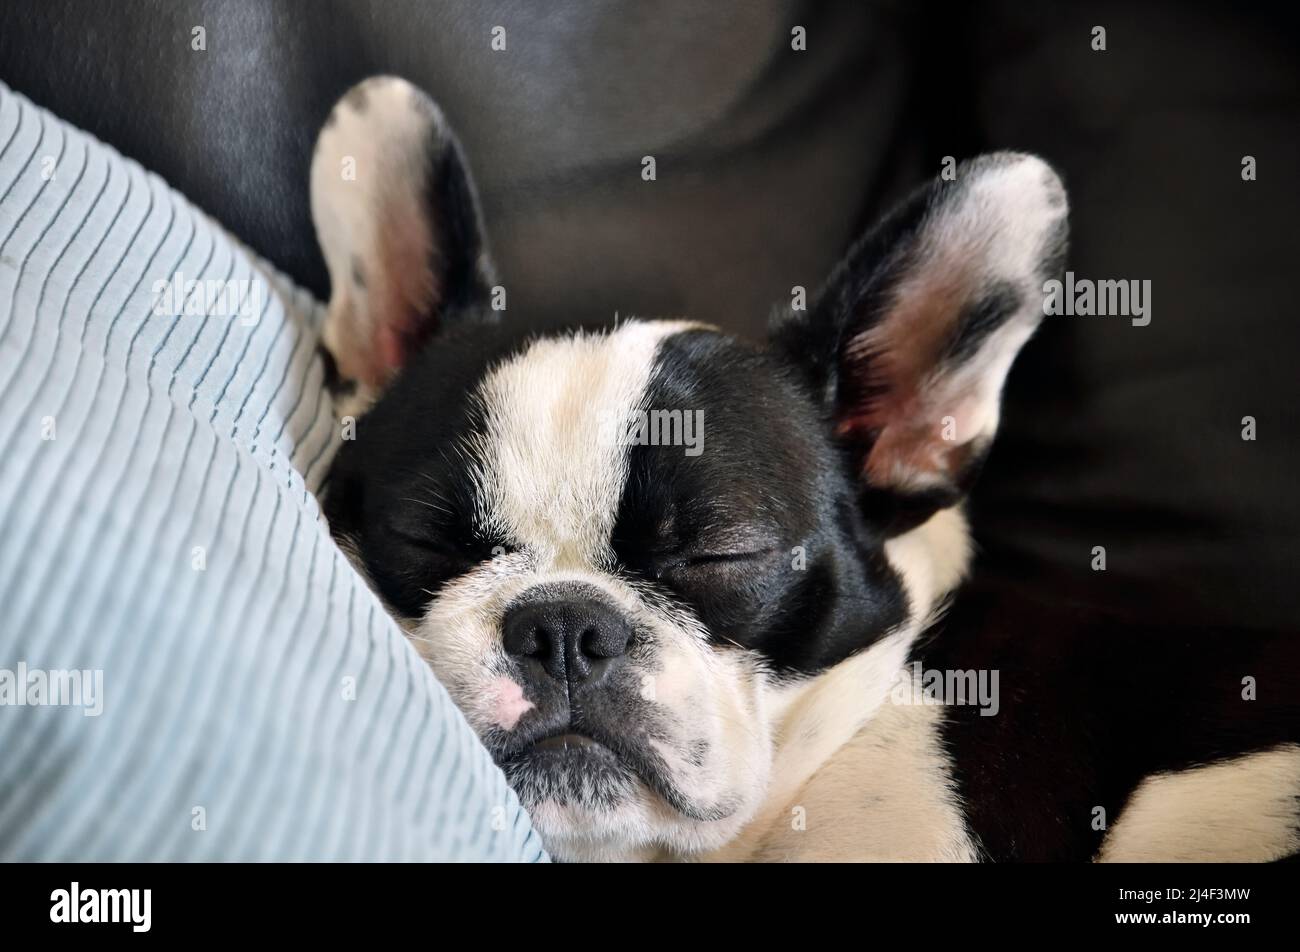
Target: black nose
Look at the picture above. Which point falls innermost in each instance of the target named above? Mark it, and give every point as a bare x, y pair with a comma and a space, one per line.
574, 639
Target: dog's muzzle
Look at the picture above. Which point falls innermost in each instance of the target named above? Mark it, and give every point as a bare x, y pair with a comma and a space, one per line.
569, 635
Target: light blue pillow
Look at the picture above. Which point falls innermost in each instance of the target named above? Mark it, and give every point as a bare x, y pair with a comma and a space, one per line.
228, 686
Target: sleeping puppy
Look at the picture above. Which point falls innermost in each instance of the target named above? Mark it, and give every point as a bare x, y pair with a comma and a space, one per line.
674, 580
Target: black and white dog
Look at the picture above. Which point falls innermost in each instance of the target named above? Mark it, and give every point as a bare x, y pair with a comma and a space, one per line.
695, 650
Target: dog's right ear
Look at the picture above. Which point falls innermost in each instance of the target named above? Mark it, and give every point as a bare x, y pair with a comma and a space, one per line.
399, 225
910, 341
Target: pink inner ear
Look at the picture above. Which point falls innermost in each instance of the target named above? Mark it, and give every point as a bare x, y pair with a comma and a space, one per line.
914, 457
390, 350
404, 300
898, 408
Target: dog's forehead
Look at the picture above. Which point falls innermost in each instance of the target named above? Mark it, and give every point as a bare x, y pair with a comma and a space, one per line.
550, 464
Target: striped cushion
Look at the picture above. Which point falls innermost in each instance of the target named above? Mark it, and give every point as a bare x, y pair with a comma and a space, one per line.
160, 536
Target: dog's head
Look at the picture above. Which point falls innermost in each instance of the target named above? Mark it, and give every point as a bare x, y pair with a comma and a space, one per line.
659, 568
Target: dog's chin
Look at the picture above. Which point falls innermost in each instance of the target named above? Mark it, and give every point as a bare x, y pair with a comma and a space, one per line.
572, 771
587, 804
591, 804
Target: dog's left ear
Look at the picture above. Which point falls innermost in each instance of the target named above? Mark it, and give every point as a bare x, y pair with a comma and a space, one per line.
399, 225
910, 341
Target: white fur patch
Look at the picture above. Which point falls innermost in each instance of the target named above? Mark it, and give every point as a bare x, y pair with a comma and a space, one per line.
885, 796
1239, 811
551, 477
931, 559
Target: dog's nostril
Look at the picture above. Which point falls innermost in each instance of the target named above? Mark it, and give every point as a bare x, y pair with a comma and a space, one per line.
573, 639
604, 642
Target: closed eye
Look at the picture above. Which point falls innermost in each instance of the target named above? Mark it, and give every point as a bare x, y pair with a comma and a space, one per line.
422, 542
445, 547
716, 558
724, 588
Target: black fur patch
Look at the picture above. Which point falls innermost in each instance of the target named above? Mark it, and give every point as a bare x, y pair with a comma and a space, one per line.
759, 534
402, 490
461, 266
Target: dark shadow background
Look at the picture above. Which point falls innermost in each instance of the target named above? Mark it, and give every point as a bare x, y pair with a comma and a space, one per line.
769, 162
